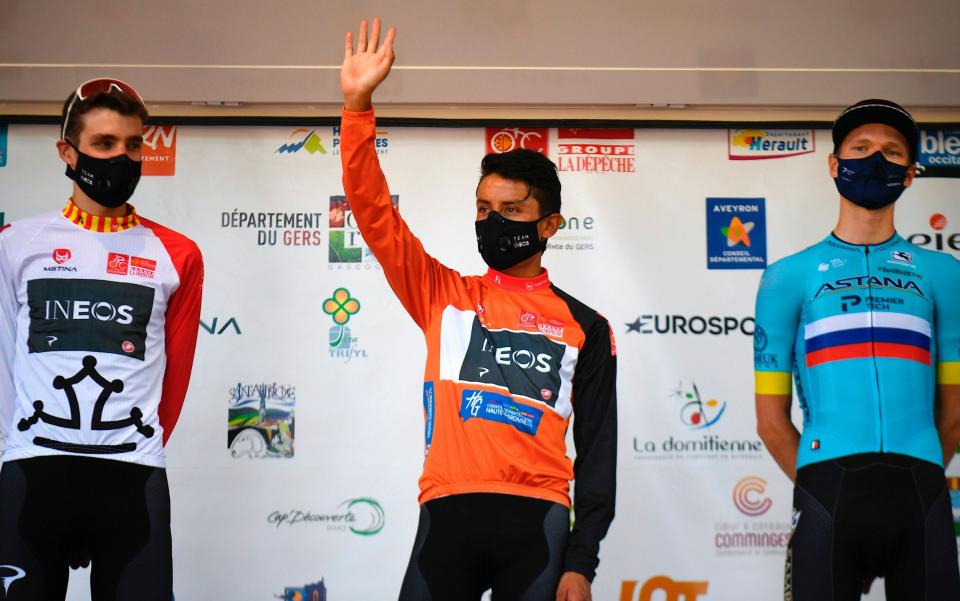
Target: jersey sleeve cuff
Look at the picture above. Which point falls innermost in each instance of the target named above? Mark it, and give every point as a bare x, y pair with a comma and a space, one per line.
948, 372
773, 382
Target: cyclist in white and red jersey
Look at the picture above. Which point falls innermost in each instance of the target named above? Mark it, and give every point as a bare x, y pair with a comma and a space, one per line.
99, 313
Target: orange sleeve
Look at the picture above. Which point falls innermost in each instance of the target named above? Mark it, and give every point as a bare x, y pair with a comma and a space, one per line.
420, 282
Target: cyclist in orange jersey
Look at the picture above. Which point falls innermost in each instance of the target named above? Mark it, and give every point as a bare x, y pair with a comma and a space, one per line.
510, 359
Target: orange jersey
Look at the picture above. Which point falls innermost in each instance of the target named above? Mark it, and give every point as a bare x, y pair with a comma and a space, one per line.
509, 361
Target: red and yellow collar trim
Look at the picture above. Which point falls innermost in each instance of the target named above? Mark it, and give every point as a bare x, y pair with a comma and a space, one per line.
510, 282
94, 223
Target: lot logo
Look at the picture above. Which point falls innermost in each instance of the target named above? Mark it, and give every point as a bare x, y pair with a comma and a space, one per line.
938, 153
159, 150
672, 589
748, 496
341, 307
696, 413
500, 140
302, 139
310, 592
736, 233
3, 149
347, 249
938, 240
381, 141
594, 152
260, 420
752, 144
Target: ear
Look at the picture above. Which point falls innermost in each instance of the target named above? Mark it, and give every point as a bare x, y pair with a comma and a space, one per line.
911, 173
67, 154
833, 165
549, 225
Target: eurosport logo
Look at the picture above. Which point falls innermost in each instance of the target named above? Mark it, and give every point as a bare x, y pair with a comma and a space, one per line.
748, 496
696, 325
302, 139
159, 154
673, 590
505, 139
596, 150
736, 233
308, 592
341, 307
260, 420
939, 239
752, 144
3, 148
938, 153
695, 412
347, 249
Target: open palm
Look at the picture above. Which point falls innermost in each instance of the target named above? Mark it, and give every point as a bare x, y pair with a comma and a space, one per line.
364, 69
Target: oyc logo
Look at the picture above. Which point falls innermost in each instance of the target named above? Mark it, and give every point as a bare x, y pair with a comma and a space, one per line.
748, 496
673, 590
500, 140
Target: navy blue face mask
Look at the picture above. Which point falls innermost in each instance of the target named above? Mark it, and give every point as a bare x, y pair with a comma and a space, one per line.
872, 182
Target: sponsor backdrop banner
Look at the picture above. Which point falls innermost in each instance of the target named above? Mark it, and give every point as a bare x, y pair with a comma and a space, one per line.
294, 466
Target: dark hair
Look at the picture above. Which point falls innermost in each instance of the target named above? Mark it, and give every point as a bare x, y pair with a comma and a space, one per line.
531, 168
113, 100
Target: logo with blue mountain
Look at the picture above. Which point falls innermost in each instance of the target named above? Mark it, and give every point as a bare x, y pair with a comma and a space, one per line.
341, 307
303, 139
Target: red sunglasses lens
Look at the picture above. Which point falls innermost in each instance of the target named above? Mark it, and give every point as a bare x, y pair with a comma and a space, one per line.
103, 86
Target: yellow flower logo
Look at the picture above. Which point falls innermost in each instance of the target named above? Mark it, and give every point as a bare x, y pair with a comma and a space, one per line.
341, 306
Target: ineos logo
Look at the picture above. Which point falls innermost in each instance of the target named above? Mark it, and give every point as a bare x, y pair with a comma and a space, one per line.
522, 358
81, 309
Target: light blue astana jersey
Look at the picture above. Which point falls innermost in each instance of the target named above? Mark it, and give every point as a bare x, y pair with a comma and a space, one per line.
866, 332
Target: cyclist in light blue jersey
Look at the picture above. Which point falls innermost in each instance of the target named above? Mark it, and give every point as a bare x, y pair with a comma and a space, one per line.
867, 326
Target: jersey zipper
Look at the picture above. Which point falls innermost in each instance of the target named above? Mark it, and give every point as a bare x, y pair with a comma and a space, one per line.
873, 343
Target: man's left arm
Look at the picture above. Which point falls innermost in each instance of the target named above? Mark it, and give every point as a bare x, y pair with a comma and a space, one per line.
595, 468
947, 324
182, 327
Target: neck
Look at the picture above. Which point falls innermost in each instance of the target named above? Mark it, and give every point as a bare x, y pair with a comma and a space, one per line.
858, 225
92, 207
529, 268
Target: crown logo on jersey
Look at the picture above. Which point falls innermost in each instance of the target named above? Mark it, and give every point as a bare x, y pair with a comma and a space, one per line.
109, 387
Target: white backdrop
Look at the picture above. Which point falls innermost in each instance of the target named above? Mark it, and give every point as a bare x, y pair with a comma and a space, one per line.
334, 496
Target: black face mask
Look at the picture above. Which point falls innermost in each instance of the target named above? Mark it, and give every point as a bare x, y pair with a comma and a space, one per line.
504, 242
109, 182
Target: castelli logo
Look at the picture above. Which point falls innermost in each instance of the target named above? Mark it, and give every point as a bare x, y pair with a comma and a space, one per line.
62, 255
938, 221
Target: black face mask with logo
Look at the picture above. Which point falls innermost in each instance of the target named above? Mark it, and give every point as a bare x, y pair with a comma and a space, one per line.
504, 242
109, 182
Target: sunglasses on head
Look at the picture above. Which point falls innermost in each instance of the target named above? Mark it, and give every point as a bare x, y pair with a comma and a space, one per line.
92, 87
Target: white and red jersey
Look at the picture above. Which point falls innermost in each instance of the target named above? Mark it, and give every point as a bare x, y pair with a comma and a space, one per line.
98, 326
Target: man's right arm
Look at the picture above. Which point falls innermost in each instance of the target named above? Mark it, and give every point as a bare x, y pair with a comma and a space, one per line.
777, 316
418, 279
8, 330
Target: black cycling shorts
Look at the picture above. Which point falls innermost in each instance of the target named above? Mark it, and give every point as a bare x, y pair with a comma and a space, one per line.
872, 515
469, 543
53, 509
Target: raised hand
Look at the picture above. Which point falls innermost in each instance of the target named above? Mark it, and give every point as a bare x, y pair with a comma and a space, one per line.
366, 68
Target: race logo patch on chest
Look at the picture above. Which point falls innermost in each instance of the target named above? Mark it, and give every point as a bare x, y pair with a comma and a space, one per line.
490, 406
89, 315
528, 364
